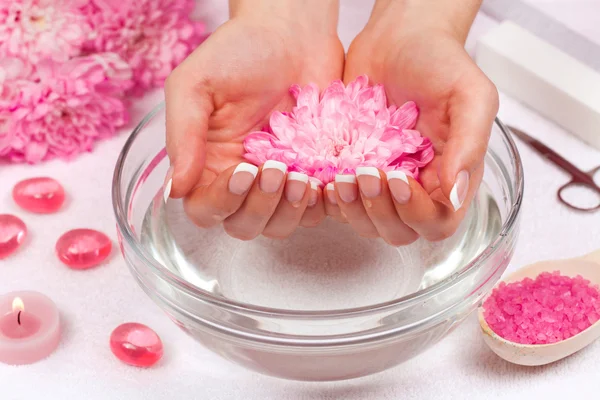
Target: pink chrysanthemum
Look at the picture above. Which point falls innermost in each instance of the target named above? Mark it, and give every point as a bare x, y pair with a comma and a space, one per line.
63, 108
37, 29
344, 128
152, 36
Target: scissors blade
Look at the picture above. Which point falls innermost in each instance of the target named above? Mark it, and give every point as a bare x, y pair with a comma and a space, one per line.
553, 157
534, 143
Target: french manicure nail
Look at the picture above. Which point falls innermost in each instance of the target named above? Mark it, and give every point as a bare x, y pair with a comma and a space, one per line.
314, 194
315, 181
242, 178
167, 184
272, 176
399, 186
330, 189
346, 186
295, 187
459, 191
369, 181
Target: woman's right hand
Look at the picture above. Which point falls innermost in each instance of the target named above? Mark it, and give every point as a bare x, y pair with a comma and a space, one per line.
227, 88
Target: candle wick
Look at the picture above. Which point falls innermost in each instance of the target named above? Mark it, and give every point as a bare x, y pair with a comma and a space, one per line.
19, 317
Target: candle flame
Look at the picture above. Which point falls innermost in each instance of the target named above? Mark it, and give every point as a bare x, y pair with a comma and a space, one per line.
17, 304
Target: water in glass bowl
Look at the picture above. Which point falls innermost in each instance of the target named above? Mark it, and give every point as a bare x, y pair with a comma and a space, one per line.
323, 268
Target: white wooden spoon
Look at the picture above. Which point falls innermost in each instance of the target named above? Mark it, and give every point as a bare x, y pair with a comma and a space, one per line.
526, 354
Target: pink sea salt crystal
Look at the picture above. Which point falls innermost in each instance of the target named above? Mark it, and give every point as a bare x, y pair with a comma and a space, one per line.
136, 344
12, 234
83, 248
547, 309
39, 195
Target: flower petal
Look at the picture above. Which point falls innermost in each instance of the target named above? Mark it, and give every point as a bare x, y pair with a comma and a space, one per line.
406, 116
342, 129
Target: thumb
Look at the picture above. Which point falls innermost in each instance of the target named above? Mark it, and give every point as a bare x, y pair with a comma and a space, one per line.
471, 112
188, 109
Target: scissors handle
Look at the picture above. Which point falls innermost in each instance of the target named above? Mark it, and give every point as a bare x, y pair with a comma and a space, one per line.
589, 183
587, 179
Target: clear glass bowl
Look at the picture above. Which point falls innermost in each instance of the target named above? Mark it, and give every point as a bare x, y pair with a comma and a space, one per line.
324, 304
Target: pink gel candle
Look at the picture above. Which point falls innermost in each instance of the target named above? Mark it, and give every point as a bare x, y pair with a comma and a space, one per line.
29, 327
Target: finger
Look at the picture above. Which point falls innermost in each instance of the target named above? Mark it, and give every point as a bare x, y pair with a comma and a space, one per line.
188, 108
260, 204
472, 111
424, 213
315, 208
380, 208
331, 206
288, 214
351, 206
415, 207
210, 205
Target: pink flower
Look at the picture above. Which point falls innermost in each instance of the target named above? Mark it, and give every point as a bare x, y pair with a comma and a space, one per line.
38, 29
152, 36
63, 108
344, 128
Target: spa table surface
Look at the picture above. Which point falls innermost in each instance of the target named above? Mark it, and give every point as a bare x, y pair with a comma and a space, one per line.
94, 302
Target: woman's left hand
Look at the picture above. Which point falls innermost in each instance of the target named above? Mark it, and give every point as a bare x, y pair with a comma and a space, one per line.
425, 63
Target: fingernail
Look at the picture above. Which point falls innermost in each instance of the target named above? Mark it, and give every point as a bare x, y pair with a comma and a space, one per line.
295, 187
272, 176
167, 184
315, 181
399, 186
346, 186
242, 178
330, 189
314, 194
458, 194
369, 181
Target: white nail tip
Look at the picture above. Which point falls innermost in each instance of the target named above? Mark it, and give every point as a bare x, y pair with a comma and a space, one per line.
371, 171
397, 175
245, 167
454, 198
272, 164
330, 186
167, 191
345, 178
314, 185
297, 176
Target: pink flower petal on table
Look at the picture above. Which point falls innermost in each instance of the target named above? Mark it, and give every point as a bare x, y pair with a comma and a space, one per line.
58, 34
60, 113
152, 36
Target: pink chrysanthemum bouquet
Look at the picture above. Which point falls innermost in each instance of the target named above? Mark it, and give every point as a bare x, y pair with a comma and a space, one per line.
68, 66
341, 129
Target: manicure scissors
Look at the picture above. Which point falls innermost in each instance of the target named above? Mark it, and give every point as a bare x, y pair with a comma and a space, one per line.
579, 178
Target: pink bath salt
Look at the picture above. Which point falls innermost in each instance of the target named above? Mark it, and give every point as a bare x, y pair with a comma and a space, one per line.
547, 309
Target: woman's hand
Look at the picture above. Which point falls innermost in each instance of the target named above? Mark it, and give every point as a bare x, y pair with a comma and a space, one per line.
415, 48
227, 88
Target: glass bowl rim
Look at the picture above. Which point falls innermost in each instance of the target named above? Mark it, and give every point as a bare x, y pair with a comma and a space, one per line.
128, 235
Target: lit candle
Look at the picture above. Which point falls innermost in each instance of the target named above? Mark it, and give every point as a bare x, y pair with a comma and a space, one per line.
29, 327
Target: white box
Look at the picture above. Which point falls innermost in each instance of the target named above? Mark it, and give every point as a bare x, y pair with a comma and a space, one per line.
544, 78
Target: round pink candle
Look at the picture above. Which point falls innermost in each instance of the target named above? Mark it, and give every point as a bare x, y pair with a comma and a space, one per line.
29, 327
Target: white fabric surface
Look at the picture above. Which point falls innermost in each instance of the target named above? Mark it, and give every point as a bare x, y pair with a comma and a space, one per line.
94, 302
